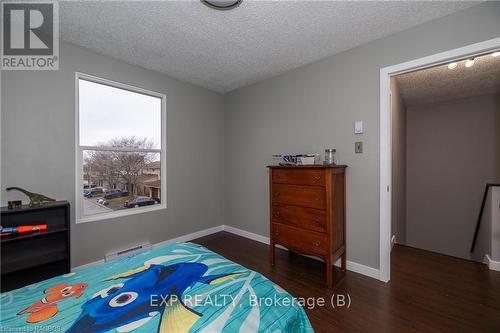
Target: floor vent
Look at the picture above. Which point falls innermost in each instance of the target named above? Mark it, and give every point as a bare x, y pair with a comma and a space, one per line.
128, 252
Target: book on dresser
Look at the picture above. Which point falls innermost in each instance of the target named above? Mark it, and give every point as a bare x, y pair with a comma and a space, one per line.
307, 212
31, 257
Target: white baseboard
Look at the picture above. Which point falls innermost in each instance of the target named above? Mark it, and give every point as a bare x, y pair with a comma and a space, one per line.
351, 266
191, 236
79, 268
183, 238
492, 264
246, 234
393, 241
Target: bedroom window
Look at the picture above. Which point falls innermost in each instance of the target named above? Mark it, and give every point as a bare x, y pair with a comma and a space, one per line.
121, 149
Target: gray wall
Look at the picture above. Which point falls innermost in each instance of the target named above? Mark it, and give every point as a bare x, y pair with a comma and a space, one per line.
38, 150
314, 107
398, 141
495, 226
453, 150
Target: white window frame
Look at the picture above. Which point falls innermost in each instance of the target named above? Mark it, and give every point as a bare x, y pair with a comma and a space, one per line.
80, 218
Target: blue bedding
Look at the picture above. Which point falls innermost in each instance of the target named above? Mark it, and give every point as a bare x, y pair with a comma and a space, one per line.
182, 287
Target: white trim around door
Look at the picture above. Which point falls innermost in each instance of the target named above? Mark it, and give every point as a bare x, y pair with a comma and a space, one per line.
385, 137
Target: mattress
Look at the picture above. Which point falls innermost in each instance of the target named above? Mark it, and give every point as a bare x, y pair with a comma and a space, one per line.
181, 287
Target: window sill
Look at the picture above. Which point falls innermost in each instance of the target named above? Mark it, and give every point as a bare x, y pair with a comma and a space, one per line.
120, 213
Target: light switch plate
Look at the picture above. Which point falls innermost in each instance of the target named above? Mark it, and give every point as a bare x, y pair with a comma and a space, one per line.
358, 147
358, 127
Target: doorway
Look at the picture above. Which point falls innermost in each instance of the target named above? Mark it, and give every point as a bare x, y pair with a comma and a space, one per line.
445, 122
386, 153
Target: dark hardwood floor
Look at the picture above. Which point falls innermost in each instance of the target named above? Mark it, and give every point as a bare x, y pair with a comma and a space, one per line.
428, 292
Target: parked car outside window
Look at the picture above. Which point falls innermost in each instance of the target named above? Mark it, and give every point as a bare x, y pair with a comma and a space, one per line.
139, 202
96, 191
110, 194
102, 201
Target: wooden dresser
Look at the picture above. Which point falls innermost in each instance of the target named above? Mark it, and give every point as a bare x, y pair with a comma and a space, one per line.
307, 212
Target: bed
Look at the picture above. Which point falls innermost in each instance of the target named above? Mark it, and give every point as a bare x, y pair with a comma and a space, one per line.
181, 287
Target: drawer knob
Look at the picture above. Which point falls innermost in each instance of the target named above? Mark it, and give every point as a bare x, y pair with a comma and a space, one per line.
276, 233
316, 221
317, 243
276, 194
317, 177
277, 214
317, 198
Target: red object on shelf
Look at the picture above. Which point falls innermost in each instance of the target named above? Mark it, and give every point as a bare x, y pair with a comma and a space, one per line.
24, 228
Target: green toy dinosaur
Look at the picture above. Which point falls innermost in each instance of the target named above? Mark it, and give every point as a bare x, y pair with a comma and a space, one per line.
35, 198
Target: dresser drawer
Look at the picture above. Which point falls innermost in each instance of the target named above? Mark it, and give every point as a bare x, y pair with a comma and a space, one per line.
307, 218
295, 238
299, 176
305, 196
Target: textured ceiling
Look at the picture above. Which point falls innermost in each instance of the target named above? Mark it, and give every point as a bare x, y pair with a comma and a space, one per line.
225, 50
439, 84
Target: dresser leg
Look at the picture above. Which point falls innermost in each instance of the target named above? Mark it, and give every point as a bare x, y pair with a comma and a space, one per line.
343, 264
329, 273
271, 253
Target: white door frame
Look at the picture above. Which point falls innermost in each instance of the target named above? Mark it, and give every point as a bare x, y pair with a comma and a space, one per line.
385, 135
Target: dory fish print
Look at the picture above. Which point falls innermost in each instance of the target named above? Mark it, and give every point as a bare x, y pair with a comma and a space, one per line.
126, 306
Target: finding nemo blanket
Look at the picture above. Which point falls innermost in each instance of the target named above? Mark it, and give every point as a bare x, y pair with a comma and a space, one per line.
182, 287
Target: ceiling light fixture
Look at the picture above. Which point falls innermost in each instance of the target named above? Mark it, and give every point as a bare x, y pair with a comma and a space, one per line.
470, 62
222, 4
452, 65
495, 54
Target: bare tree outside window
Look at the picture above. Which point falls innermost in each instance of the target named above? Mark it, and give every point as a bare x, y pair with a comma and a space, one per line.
117, 167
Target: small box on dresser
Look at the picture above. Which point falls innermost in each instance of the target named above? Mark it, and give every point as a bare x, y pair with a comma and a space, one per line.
307, 212
35, 256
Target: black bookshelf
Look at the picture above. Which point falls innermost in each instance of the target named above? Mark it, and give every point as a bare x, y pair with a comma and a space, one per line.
31, 257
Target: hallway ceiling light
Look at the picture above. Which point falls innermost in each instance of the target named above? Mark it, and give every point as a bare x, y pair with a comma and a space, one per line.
496, 54
470, 62
452, 65
222, 4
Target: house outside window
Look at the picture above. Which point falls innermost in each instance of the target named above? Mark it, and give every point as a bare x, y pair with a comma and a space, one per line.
121, 149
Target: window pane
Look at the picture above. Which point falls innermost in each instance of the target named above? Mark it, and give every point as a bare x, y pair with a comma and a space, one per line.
114, 180
108, 113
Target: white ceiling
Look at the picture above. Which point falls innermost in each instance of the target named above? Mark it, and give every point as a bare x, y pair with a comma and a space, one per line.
225, 50
439, 84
